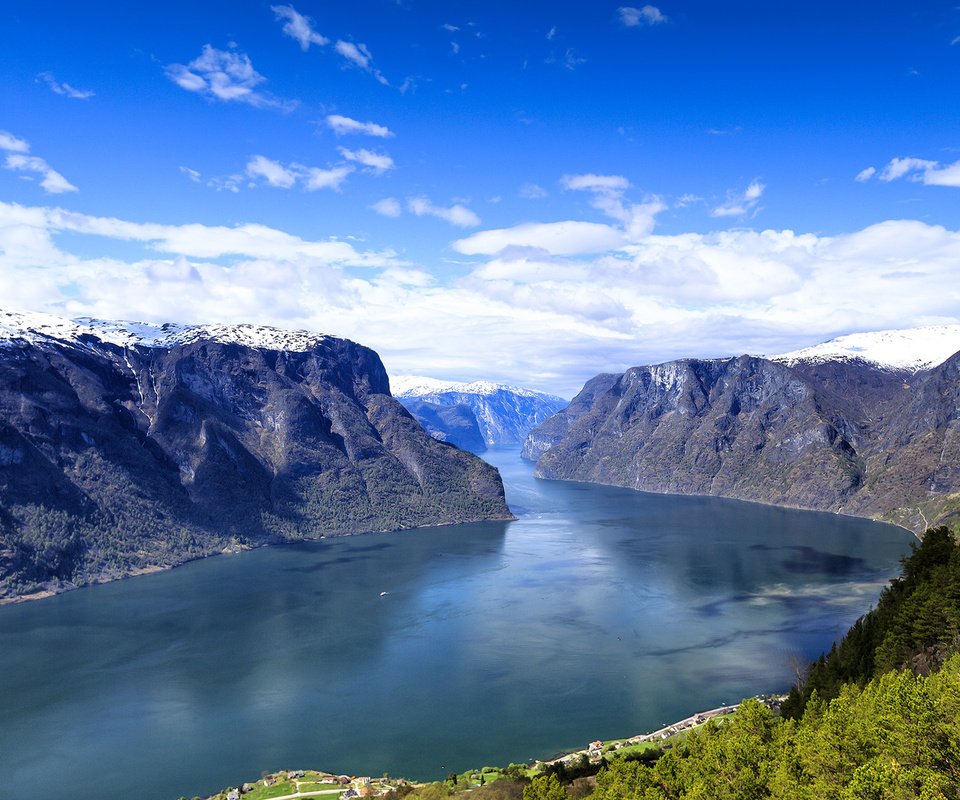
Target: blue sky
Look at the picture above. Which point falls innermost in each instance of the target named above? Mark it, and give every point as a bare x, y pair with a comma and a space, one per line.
530, 192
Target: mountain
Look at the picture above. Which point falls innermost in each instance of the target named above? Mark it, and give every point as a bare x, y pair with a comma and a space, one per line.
871, 431
456, 425
908, 350
127, 447
503, 414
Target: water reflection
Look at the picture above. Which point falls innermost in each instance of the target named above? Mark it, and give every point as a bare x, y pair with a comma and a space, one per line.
600, 612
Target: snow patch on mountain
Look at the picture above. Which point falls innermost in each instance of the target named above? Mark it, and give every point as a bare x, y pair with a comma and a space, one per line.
420, 386
37, 328
908, 350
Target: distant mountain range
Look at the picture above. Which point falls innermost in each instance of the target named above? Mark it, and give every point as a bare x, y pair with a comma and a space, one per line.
126, 447
474, 415
867, 424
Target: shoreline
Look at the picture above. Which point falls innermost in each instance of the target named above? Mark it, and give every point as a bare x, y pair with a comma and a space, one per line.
136, 572
786, 506
593, 752
694, 721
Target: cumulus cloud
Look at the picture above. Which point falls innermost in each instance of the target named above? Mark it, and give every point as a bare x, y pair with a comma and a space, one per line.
388, 207
286, 176
273, 172
342, 126
224, 75
458, 215
299, 27
377, 163
739, 204
638, 219
921, 170
12, 144
531, 309
19, 160
65, 89
637, 17
865, 174
332, 178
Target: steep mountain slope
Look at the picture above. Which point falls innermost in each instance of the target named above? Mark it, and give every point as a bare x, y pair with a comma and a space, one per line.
455, 425
504, 414
128, 447
851, 434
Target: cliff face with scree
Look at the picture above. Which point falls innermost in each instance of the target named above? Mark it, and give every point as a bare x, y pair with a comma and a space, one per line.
126, 447
826, 430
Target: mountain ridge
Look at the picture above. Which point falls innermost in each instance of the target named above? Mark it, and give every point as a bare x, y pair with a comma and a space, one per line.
122, 457
503, 414
843, 435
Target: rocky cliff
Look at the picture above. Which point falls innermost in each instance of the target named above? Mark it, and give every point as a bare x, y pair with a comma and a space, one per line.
503, 414
125, 448
835, 434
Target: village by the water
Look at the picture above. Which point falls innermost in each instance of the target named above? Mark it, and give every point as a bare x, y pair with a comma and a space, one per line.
292, 784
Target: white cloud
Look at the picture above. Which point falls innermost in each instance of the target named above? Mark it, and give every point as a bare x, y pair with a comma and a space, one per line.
192, 174
740, 204
921, 170
194, 240
638, 219
449, 28
865, 174
458, 215
388, 207
595, 183
532, 191
565, 238
65, 89
299, 27
526, 315
12, 144
955, 40
899, 167
224, 75
326, 178
273, 172
18, 160
342, 126
636, 17
286, 176
551, 33
231, 183
377, 163
359, 55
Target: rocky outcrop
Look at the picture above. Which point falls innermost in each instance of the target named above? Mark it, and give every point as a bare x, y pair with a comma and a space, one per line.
504, 414
456, 424
843, 435
115, 458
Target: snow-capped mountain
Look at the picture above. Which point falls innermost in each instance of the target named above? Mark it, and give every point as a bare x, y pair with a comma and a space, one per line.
504, 414
909, 350
37, 328
419, 386
128, 446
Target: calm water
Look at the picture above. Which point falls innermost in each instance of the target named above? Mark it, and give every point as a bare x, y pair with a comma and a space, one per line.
601, 612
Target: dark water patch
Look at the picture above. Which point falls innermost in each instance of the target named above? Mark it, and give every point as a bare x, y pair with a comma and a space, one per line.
808, 560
